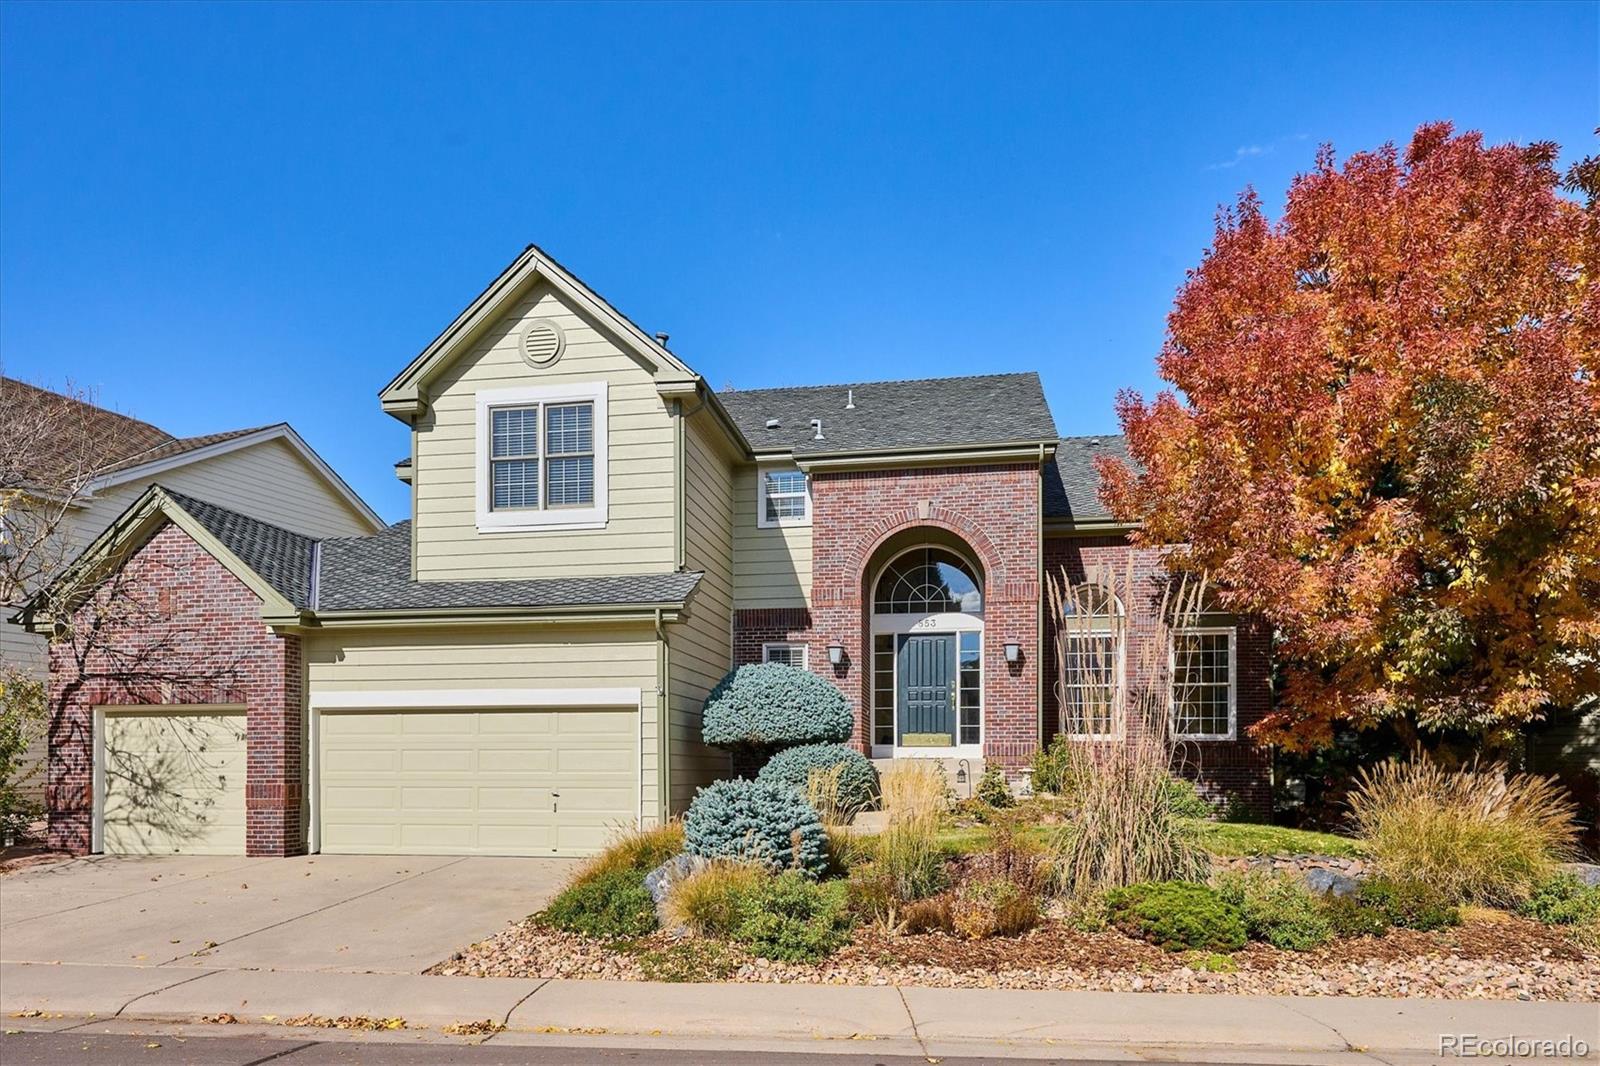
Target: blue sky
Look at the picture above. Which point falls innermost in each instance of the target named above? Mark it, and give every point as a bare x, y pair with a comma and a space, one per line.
219, 216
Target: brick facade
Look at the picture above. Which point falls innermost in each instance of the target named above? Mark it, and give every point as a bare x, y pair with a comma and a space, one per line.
859, 518
174, 626
1226, 771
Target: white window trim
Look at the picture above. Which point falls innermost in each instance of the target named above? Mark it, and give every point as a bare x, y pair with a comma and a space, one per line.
557, 518
762, 521
1233, 682
1119, 712
805, 651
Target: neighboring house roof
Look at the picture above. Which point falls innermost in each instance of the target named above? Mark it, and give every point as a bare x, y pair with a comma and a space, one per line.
281, 557
890, 416
1071, 482
374, 574
101, 436
120, 449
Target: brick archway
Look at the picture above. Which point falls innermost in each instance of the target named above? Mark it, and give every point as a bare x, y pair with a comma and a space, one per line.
852, 575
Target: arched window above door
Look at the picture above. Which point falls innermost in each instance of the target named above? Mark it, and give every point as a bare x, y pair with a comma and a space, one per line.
928, 581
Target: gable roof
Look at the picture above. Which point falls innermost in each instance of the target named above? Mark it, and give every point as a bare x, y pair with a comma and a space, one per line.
403, 396
118, 449
1071, 482
980, 411
282, 557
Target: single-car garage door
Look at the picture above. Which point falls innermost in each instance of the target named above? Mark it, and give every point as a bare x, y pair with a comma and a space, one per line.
174, 782
501, 782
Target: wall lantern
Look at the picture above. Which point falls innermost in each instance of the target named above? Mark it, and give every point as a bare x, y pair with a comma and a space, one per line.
836, 654
1013, 652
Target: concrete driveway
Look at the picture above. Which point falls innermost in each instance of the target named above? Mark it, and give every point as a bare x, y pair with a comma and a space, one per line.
362, 913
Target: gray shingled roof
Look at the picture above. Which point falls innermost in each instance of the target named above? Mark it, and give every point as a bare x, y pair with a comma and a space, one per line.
1071, 483
374, 573
281, 557
894, 415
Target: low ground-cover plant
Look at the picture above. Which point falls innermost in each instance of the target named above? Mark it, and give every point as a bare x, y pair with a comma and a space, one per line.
1409, 904
756, 821
831, 776
1563, 900
1278, 910
764, 706
612, 903
791, 918
1477, 835
606, 897
1349, 917
1176, 915
708, 901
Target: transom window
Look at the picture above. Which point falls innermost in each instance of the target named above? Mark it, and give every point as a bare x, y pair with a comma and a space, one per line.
785, 498
1089, 649
787, 654
542, 458
1203, 684
928, 581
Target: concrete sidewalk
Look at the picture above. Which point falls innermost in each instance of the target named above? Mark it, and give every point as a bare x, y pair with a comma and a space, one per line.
875, 1020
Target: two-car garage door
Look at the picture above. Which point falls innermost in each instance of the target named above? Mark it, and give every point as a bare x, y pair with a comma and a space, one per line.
557, 781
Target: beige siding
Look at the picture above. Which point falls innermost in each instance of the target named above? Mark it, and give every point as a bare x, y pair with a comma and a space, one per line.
463, 657
701, 646
268, 481
23, 651
639, 533
771, 567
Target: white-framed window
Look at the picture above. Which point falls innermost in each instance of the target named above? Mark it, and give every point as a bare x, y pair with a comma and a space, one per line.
541, 458
783, 497
1204, 680
1089, 646
785, 653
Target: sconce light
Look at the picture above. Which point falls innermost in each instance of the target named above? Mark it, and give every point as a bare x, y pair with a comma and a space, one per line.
836, 654
1013, 652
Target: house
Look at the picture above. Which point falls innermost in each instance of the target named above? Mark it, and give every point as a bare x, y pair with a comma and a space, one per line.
596, 537
267, 472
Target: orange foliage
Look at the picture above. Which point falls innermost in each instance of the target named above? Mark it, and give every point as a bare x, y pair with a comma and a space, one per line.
1385, 434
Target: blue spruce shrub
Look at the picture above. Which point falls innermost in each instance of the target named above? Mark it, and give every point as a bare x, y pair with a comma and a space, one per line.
756, 821
772, 705
858, 781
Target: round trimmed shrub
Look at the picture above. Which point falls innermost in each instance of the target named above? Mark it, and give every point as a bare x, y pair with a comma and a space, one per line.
773, 705
756, 821
858, 780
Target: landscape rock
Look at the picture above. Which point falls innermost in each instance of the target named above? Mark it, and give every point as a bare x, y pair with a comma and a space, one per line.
1325, 882
1587, 872
659, 882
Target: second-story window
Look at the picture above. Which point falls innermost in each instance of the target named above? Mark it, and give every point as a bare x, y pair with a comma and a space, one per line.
784, 498
542, 458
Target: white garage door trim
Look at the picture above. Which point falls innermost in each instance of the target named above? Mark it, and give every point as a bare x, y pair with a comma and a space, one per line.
462, 699
97, 821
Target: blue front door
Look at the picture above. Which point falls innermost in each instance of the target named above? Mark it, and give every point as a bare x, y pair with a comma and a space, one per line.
927, 696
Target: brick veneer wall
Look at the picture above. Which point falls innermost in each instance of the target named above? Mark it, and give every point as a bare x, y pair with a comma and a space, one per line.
183, 630
993, 510
1224, 769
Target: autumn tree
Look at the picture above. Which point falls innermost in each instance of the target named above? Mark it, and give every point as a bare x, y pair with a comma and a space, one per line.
1383, 434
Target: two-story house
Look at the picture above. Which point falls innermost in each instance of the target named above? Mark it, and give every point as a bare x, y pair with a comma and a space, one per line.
596, 538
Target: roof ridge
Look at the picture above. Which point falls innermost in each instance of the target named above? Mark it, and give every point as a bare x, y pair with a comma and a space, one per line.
887, 381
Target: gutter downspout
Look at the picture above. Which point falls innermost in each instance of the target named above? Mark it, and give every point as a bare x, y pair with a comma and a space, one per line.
663, 727
1038, 607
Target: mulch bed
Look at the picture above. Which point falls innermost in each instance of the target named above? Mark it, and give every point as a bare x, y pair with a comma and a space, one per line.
1508, 958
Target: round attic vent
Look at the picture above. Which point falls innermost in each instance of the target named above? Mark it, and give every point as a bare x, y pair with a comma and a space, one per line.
542, 343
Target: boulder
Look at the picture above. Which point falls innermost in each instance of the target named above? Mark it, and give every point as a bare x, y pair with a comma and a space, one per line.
1325, 882
659, 882
1587, 872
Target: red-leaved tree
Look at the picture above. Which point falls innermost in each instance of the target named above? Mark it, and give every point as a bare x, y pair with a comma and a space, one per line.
1384, 435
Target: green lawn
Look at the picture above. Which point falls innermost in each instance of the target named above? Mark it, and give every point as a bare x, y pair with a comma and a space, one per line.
1244, 838
1219, 838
